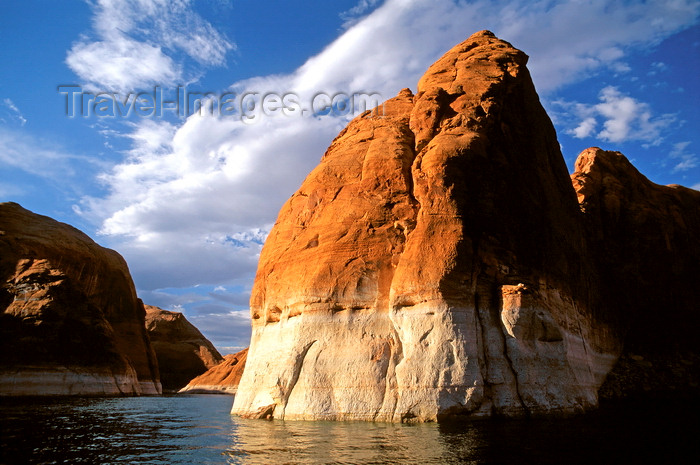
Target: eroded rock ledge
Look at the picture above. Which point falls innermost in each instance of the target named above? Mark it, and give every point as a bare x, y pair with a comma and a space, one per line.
434, 263
221, 379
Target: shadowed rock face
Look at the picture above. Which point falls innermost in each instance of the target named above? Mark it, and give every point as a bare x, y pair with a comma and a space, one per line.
182, 351
434, 263
71, 323
645, 239
221, 379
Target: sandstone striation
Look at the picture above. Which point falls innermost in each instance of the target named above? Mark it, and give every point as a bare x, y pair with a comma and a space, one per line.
71, 323
221, 379
182, 351
434, 263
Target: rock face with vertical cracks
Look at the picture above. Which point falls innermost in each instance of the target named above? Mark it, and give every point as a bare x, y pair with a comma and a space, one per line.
433, 264
71, 323
182, 351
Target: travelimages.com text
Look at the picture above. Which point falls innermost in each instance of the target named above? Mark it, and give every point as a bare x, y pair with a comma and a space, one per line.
248, 106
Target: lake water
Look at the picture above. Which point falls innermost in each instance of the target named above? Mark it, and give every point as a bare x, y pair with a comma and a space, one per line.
198, 429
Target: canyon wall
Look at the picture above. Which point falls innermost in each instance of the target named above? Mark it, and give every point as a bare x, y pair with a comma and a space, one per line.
71, 323
182, 351
433, 264
645, 240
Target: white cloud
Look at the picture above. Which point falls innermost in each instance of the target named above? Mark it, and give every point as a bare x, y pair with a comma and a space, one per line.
191, 202
621, 118
696, 187
14, 111
686, 164
353, 15
585, 128
229, 332
23, 151
657, 67
683, 160
122, 64
628, 119
139, 43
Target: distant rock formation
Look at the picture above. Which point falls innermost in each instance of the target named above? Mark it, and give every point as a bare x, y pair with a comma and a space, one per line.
645, 239
221, 379
71, 323
435, 263
182, 351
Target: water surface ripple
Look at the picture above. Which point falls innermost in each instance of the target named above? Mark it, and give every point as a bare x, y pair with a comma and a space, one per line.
197, 429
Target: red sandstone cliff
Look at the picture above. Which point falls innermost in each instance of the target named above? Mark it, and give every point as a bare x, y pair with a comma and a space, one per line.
71, 323
434, 263
221, 379
182, 351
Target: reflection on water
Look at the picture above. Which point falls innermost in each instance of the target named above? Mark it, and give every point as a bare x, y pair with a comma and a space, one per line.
199, 430
260, 442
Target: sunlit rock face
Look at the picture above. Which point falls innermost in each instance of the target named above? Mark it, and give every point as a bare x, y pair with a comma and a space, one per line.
71, 323
182, 351
433, 264
220, 379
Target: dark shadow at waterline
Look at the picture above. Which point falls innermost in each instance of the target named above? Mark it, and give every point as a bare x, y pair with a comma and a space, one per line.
197, 429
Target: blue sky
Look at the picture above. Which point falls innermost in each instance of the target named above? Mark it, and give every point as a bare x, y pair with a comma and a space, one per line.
188, 198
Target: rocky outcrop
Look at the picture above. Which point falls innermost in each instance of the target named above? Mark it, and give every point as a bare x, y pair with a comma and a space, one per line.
182, 351
645, 239
71, 323
221, 379
434, 263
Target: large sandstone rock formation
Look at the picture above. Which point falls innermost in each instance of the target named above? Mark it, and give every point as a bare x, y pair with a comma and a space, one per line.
434, 263
221, 379
645, 239
182, 351
71, 323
